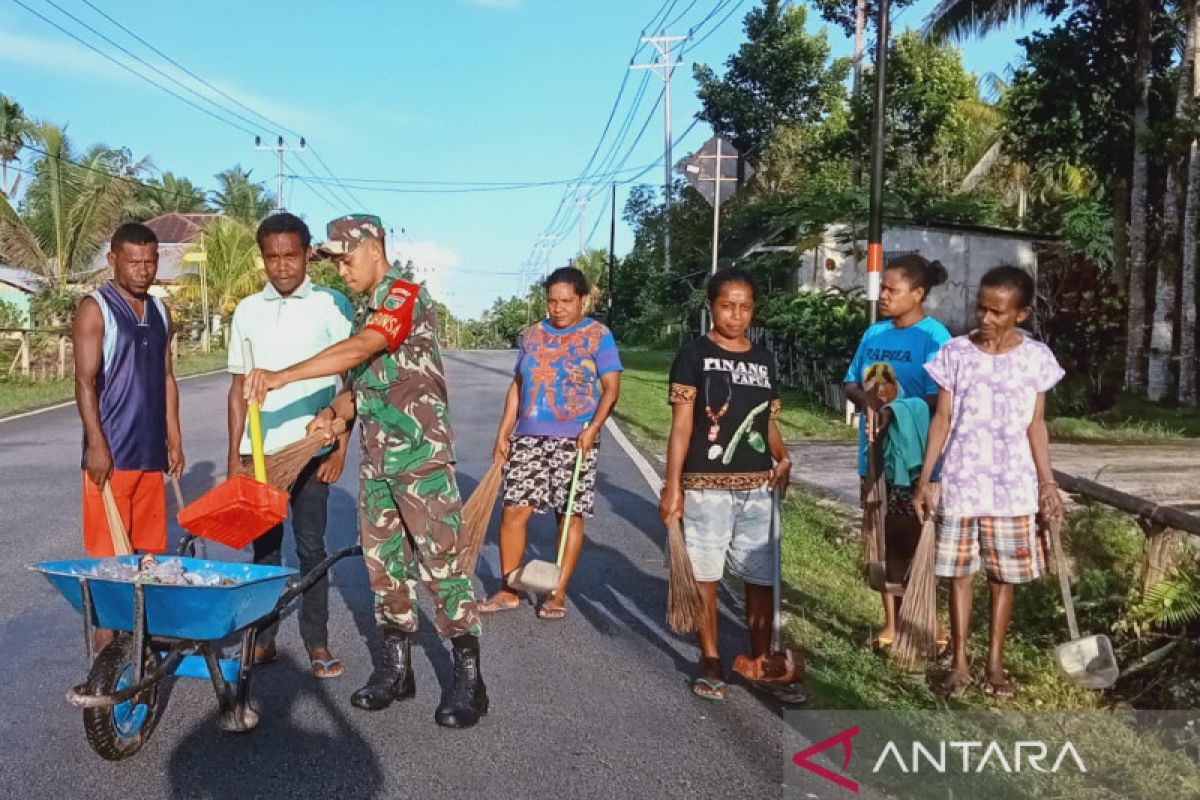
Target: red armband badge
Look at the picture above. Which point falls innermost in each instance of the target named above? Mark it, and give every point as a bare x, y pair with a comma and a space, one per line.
394, 317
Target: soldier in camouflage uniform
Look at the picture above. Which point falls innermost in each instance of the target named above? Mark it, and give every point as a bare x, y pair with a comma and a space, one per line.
409, 505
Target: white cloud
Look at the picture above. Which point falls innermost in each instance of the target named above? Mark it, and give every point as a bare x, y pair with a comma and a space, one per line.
435, 265
75, 60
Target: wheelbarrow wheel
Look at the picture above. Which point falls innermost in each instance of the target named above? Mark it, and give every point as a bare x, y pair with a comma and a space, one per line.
119, 731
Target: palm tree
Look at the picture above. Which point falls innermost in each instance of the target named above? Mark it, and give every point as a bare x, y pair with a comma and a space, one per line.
169, 193
1162, 328
71, 207
231, 264
962, 18
240, 197
14, 131
1191, 218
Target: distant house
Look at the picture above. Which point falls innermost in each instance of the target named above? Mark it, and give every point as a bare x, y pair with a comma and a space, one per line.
967, 251
177, 233
17, 286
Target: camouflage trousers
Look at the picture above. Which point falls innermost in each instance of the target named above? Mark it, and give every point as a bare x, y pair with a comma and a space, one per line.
409, 531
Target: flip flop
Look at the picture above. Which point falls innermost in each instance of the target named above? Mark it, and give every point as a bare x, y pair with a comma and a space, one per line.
1003, 689
491, 606
267, 656
955, 685
878, 644
326, 668
551, 612
709, 689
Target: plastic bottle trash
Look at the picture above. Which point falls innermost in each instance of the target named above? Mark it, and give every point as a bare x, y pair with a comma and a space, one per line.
166, 571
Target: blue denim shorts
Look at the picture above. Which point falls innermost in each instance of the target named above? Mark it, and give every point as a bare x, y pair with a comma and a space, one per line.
731, 528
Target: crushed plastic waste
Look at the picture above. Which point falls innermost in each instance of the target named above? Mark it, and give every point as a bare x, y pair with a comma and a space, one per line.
167, 571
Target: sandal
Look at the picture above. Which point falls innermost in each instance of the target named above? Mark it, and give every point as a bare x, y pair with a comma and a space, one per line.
709, 689
955, 685
323, 663
264, 655
877, 644
1002, 689
494, 605
546, 611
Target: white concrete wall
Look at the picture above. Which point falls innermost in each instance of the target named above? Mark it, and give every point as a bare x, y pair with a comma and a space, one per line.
966, 256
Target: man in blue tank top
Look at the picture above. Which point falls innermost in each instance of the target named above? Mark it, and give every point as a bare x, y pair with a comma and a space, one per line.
127, 398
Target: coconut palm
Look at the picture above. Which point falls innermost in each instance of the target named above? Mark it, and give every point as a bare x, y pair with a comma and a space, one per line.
963, 18
231, 266
71, 207
240, 197
166, 194
14, 131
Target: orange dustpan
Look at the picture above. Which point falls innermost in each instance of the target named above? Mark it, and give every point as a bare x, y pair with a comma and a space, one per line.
241, 509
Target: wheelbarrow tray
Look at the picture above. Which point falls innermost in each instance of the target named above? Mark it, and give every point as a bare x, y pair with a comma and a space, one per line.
179, 612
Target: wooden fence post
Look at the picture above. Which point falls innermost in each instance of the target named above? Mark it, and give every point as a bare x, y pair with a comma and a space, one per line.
25, 347
62, 357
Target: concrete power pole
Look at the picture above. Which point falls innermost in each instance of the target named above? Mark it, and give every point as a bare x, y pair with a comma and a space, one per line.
280, 148
664, 69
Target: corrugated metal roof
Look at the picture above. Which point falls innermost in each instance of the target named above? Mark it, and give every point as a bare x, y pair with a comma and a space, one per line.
176, 228
21, 278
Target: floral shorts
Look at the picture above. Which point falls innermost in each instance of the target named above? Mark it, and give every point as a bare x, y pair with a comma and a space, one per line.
1009, 548
539, 471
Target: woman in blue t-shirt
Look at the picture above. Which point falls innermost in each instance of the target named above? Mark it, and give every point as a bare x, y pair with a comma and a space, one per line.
889, 365
568, 378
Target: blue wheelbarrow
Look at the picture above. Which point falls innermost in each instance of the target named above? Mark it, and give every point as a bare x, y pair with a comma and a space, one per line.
167, 631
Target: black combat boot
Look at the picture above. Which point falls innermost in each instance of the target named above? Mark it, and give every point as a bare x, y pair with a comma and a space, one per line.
468, 700
393, 680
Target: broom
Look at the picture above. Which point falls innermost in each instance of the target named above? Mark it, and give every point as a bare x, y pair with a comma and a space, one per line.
476, 516
285, 464
916, 634
684, 604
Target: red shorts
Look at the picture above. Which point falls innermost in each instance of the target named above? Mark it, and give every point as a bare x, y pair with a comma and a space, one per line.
143, 506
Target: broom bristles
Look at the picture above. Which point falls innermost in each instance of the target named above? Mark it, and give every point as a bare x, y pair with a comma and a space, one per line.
916, 634
285, 465
684, 603
476, 516
872, 521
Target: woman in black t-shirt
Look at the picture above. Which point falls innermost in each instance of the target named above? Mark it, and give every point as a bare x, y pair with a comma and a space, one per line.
724, 457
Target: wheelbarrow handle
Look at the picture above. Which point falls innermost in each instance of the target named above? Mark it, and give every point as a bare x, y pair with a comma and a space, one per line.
1060, 564
304, 583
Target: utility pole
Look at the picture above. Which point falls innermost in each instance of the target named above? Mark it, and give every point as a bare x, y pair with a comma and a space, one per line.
878, 130
280, 148
612, 255
664, 69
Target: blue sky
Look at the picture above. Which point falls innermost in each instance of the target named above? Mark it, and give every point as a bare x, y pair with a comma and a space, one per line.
453, 90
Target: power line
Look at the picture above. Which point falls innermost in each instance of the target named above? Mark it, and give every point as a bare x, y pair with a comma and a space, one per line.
133, 71
353, 200
189, 73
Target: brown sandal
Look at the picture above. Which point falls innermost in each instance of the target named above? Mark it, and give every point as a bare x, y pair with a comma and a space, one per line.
546, 611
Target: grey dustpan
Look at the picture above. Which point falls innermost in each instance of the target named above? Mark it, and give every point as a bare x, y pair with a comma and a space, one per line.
1088, 661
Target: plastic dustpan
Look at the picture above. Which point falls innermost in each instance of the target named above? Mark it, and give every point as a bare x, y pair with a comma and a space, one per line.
236, 512
241, 509
1089, 661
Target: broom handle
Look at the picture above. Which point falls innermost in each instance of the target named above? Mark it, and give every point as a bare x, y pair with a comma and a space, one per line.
1063, 581
566, 525
116, 528
177, 492
256, 440
776, 576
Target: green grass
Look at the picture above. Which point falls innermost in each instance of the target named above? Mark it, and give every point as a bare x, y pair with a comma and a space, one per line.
1132, 419
17, 395
645, 412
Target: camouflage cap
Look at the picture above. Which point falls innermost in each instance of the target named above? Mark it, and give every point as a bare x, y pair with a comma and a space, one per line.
344, 233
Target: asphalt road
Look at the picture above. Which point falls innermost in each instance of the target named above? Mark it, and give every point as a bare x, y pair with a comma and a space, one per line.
594, 706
